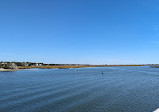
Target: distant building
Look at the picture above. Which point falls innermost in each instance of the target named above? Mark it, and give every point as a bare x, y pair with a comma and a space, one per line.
8, 65
25, 64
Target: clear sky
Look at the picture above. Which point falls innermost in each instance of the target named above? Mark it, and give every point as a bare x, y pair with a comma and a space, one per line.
80, 31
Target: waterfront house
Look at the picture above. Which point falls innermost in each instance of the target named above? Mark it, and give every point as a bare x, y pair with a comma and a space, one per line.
8, 65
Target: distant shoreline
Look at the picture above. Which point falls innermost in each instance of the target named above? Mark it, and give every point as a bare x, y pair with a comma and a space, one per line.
61, 67
66, 67
7, 70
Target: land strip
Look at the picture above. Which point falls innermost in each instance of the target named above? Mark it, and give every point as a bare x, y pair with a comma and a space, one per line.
71, 66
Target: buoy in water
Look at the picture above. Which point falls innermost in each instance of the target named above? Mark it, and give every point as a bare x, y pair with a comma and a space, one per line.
75, 71
102, 72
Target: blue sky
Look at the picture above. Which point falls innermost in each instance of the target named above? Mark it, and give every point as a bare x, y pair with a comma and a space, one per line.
80, 31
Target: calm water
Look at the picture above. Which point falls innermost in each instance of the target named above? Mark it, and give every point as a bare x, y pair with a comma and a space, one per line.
120, 89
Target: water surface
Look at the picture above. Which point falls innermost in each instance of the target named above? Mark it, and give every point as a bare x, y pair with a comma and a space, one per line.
120, 89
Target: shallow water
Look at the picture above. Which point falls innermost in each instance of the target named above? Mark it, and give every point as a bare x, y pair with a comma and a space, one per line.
120, 89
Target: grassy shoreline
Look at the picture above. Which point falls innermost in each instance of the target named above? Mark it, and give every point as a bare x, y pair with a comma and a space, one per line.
65, 67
